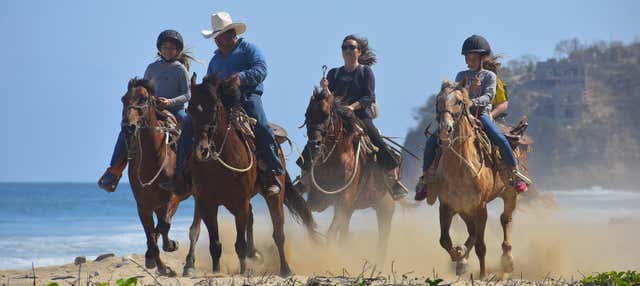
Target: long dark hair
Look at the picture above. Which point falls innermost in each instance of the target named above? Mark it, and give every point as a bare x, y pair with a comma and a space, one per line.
368, 56
492, 63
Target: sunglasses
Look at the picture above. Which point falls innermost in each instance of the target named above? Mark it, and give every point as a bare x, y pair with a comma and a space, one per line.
349, 47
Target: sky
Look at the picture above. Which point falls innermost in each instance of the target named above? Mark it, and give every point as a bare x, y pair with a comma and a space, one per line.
67, 63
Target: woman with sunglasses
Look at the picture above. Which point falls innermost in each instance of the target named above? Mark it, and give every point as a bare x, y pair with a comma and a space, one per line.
354, 84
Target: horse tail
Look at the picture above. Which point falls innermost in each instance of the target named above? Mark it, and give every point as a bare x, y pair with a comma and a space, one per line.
299, 208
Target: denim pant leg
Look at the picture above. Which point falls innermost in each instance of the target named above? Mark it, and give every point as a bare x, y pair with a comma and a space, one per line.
429, 152
265, 139
498, 138
185, 142
119, 151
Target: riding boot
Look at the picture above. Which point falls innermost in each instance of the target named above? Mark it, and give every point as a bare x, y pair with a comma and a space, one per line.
427, 178
270, 183
177, 185
398, 190
111, 177
515, 178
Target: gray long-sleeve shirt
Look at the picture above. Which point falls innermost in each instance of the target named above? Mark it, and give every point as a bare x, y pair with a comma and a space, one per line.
488, 81
171, 80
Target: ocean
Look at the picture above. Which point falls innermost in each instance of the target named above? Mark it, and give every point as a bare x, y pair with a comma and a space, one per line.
51, 223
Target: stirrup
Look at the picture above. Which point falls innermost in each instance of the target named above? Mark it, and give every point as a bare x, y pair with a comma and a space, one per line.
522, 177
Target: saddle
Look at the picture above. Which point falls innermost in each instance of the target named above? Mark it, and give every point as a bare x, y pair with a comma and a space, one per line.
514, 134
245, 124
168, 120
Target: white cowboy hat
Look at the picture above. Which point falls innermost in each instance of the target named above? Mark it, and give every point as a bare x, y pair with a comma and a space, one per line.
220, 23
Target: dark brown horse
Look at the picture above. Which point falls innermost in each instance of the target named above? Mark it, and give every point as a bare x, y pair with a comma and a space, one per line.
341, 174
151, 160
225, 172
468, 179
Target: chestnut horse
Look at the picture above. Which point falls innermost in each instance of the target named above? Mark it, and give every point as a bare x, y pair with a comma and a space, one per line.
151, 160
225, 172
467, 181
341, 174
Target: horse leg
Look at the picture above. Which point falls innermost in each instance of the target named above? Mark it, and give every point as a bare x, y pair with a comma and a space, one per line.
152, 254
276, 211
510, 201
162, 228
462, 264
210, 218
332, 232
481, 248
446, 215
252, 252
384, 214
241, 217
165, 215
343, 231
194, 233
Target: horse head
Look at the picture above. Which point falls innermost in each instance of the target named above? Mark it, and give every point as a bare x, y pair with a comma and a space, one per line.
452, 106
318, 119
138, 106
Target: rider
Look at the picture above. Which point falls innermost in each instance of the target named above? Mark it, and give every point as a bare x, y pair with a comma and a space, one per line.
355, 83
170, 76
244, 63
481, 84
500, 102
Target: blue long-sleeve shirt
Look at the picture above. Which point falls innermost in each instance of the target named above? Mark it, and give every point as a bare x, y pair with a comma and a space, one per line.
245, 59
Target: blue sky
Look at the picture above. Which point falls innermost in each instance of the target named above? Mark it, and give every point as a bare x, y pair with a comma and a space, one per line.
69, 61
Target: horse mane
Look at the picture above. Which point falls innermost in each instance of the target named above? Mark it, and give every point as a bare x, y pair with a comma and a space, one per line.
143, 82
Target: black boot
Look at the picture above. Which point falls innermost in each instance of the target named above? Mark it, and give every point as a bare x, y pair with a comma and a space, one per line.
270, 183
177, 185
398, 190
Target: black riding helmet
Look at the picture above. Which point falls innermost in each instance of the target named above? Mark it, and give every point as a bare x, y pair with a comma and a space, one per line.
476, 44
170, 35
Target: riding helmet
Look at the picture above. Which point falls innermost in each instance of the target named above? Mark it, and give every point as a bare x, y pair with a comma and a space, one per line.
476, 44
170, 35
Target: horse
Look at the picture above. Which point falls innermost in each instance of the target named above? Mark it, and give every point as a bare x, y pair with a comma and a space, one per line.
465, 183
341, 174
151, 160
225, 172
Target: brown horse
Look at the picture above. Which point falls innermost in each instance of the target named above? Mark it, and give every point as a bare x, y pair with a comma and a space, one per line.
341, 174
467, 181
225, 172
151, 160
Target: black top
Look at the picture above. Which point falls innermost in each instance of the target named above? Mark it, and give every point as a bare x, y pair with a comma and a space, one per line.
357, 85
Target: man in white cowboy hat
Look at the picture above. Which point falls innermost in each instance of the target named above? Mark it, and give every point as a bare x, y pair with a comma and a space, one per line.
238, 59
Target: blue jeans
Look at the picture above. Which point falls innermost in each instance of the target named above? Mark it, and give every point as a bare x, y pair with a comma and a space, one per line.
185, 142
494, 135
265, 139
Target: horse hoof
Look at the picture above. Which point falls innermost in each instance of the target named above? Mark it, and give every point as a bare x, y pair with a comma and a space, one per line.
171, 246
149, 262
166, 271
256, 257
285, 273
459, 252
507, 263
462, 267
188, 272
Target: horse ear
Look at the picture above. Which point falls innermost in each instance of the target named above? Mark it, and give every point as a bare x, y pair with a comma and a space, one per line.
445, 83
194, 79
131, 83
